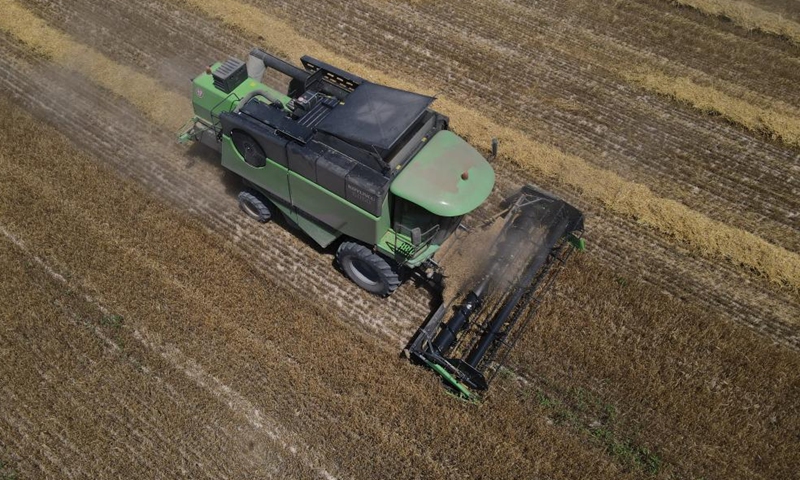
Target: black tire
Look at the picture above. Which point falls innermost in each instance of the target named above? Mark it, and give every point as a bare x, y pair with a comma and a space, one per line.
367, 269
254, 206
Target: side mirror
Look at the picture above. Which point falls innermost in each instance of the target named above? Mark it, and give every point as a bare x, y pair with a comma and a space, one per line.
495, 143
416, 236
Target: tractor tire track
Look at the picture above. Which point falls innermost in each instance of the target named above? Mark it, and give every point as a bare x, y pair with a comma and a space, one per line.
658, 28
75, 405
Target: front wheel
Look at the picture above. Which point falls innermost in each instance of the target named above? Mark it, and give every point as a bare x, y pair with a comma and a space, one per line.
367, 269
254, 205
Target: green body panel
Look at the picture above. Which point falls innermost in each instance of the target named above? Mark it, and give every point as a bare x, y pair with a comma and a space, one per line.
463, 392
322, 234
209, 102
336, 212
433, 179
577, 242
323, 215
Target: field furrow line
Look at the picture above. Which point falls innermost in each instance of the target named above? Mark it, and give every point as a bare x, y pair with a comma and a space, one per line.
58, 446
748, 16
75, 397
757, 63
651, 28
704, 282
178, 47
607, 53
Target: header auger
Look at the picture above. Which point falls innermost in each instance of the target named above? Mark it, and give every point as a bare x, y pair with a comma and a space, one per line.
376, 172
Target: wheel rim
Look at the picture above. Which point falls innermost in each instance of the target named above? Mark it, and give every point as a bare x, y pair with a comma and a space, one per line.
364, 272
250, 209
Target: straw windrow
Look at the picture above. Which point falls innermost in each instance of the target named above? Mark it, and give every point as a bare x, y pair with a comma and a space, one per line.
780, 125
159, 105
748, 16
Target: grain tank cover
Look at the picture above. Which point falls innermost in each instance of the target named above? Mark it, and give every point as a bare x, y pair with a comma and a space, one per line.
447, 177
375, 117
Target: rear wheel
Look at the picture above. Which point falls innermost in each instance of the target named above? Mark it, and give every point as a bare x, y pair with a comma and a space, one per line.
367, 269
255, 206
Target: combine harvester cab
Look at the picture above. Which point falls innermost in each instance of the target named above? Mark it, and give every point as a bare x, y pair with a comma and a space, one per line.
375, 171
468, 339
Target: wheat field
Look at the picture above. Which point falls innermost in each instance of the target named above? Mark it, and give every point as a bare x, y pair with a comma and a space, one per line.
150, 330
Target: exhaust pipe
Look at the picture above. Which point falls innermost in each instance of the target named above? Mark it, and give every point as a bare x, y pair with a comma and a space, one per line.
255, 68
272, 61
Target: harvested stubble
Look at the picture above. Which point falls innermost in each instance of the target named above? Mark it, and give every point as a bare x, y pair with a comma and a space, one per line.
352, 405
738, 105
163, 107
703, 234
78, 385
748, 16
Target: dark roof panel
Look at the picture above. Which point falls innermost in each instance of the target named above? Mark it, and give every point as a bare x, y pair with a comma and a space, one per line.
375, 116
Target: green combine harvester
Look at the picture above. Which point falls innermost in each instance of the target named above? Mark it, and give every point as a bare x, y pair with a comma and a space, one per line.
375, 172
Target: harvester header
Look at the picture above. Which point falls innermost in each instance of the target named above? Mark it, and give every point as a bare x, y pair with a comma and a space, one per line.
468, 339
